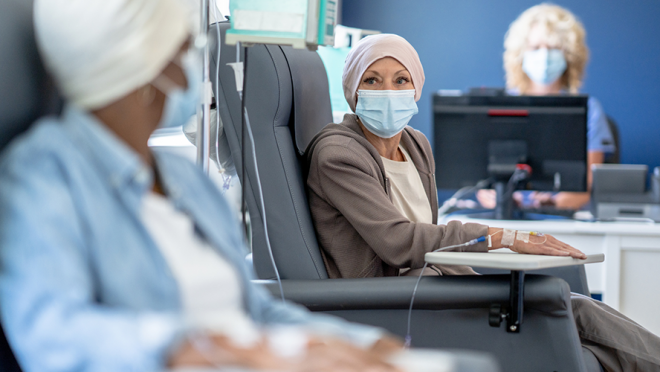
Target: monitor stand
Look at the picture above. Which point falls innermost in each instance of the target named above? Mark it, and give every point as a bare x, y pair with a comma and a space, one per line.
504, 202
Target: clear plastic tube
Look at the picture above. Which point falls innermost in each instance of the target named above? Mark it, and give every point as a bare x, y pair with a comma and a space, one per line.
408, 339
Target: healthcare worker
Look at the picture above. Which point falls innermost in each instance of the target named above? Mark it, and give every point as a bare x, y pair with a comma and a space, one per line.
113, 258
374, 205
546, 54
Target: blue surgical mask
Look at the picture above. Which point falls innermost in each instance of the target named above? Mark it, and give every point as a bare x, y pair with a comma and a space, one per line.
544, 66
386, 112
181, 104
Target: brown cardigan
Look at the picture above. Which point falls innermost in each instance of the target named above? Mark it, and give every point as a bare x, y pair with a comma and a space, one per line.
360, 231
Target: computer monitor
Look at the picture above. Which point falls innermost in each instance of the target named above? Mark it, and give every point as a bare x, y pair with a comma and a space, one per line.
484, 136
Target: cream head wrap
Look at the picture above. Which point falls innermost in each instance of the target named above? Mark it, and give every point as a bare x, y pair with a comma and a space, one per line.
98, 51
372, 48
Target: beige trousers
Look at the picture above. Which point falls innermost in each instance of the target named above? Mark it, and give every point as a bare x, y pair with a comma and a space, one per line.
619, 344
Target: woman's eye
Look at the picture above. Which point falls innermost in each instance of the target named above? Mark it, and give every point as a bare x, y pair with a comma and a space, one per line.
401, 80
370, 80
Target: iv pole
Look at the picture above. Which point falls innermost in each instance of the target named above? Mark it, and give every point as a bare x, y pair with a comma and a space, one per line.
204, 125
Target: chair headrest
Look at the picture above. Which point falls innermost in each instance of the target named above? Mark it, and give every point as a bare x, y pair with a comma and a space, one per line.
26, 92
310, 90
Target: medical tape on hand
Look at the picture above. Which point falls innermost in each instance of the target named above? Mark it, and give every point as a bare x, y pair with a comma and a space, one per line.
508, 237
490, 238
523, 236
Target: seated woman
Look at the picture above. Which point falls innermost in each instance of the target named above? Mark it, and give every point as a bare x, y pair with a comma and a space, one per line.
373, 198
117, 259
546, 54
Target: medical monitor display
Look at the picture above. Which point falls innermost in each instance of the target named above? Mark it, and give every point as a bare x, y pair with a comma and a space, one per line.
477, 137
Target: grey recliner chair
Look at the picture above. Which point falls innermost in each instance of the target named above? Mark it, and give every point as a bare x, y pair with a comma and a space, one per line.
26, 93
288, 102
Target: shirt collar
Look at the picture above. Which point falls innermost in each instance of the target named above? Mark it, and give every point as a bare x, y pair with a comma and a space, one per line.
112, 155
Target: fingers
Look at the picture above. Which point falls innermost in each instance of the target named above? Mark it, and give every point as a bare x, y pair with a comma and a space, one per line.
542, 249
573, 252
486, 198
325, 355
550, 247
387, 345
340, 356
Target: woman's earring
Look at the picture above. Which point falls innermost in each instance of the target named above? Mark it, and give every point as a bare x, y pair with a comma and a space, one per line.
147, 95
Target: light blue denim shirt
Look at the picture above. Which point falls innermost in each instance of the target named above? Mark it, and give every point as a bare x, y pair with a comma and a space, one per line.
599, 136
83, 287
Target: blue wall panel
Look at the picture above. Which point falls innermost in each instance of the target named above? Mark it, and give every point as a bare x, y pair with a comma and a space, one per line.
460, 43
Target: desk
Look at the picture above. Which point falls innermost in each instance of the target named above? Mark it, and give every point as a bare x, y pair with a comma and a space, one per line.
629, 279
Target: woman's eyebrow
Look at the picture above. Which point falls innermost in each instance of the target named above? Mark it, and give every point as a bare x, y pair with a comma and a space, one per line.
373, 72
400, 71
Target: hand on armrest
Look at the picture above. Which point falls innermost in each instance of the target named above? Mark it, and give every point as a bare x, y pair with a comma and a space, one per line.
544, 244
321, 354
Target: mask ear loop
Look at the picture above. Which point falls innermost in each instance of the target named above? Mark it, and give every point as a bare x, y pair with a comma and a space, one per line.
147, 94
165, 84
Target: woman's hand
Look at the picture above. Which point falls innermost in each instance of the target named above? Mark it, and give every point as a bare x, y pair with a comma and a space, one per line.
386, 346
546, 245
571, 200
218, 350
321, 355
335, 355
487, 198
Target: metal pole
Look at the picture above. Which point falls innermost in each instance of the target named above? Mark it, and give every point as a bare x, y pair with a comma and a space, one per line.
204, 129
516, 301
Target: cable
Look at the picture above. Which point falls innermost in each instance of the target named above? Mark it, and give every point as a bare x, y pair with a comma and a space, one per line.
263, 207
248, 127
461, 193
226, 180
408, 339
242, 97
518, 175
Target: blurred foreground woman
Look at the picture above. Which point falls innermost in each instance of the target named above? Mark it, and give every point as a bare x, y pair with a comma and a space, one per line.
113, 258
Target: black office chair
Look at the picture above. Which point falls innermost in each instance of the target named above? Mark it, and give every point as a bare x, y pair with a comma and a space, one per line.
615, 157
26, 93
288, 102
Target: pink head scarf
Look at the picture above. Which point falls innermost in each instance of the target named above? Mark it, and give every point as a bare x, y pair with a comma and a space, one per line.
372, 48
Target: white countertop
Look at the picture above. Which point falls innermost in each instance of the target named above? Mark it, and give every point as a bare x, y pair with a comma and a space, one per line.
566, 226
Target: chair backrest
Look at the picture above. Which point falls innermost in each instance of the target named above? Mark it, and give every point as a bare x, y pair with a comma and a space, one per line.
26, 93
288, 102
614, 158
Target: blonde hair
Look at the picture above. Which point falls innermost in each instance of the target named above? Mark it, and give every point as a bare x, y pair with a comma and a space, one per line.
563, 29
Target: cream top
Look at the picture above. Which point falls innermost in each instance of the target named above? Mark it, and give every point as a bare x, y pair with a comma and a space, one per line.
408, 194
210, 287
